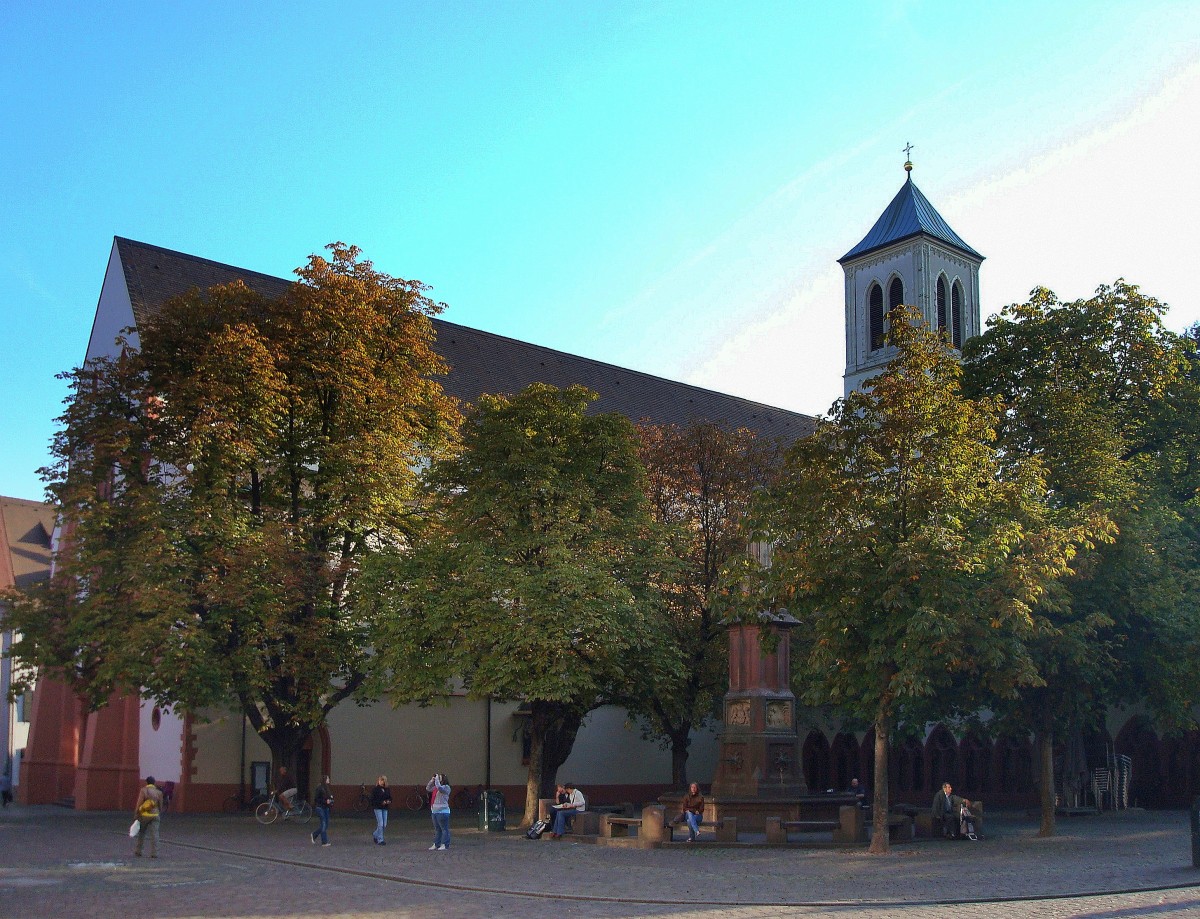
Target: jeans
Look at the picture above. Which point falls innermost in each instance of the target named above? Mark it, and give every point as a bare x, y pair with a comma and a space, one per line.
322, 829
441, 828
380, 823
149, 828
693, 822
563, 819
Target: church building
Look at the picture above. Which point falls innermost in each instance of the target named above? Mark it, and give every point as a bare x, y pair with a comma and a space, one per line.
910, 255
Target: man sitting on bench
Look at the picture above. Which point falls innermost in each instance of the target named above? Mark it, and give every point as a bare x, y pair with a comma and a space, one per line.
564, 814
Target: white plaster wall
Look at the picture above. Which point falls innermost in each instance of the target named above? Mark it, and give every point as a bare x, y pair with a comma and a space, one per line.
114, 312
410, 743
160, 752
610, 751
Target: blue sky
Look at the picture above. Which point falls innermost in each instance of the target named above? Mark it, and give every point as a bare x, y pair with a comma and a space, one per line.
664, 186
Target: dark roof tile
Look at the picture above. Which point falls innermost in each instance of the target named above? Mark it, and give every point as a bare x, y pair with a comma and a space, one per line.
482, 362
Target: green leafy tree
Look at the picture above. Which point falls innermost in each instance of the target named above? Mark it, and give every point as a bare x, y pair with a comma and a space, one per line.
220, 486
535, 584
910, 551
1106, 399
701, 481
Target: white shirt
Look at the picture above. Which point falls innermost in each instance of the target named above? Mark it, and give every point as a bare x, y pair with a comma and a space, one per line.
574, 803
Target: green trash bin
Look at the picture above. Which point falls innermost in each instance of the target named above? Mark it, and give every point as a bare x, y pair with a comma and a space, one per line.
491, 811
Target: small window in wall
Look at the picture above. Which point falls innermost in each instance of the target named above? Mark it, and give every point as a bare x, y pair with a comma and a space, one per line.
156, 718
259, 776
875, 307
24, 707
956, 311
941, 304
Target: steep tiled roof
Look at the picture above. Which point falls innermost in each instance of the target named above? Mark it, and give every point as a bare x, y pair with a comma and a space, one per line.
25, 528
482, 362
910, 214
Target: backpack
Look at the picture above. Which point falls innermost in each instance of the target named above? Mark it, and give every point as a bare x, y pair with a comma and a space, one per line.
148, 809
536, 831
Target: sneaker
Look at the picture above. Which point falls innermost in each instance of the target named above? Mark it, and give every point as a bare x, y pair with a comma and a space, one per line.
383, 842
313, 837
326, 845
431, 848
972, 837
440, 848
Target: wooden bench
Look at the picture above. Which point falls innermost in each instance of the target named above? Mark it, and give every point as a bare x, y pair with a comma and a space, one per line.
848, 828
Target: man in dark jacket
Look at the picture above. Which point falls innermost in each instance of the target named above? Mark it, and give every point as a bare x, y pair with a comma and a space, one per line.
946, 805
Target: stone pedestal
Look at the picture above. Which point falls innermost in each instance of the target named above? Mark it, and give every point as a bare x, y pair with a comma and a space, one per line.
758, 769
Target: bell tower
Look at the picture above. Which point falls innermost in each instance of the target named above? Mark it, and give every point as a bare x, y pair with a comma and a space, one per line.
910, 256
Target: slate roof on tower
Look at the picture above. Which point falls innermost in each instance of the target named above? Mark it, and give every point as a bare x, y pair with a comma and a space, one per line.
482, 362
910, 214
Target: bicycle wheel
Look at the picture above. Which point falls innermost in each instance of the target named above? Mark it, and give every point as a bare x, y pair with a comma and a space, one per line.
415, 800
232, 804
266, 812
302, 811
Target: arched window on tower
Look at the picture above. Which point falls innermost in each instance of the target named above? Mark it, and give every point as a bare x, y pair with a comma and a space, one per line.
943, 316
895, 295
956, 313
875, 308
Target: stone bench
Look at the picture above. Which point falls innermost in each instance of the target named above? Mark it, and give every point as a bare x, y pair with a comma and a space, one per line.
848, 828
725, 828
586, 823
901, 828
926, 830
650, 825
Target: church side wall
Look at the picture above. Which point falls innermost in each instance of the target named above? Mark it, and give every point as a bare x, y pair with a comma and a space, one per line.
610, 759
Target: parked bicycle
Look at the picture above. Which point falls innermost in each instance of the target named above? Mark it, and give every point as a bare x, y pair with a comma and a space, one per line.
270, 811
417, 799
364, 799
238, 801
467, 799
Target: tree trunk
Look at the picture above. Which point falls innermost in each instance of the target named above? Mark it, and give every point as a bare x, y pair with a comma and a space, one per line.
880, 841
285, 744
681, 741
1044, 740
553, 728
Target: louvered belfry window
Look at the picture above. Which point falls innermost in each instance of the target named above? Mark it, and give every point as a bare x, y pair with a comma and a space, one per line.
941, 303
895, 294
956, 313
875, 303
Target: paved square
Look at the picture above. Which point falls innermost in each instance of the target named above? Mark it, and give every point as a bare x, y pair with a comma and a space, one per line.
63, 864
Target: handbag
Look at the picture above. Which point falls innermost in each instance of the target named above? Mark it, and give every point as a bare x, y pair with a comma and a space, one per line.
134, 829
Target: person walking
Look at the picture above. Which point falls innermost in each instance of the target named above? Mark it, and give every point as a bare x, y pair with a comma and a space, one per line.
323, 805
148, 810
381, 800
439, 805
6, 789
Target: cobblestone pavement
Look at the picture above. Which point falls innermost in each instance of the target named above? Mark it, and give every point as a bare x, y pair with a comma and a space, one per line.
63, 864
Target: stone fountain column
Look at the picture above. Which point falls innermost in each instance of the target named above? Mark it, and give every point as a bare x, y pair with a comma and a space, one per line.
759, 752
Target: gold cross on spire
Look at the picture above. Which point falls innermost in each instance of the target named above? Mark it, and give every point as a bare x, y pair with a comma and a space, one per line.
908, 148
